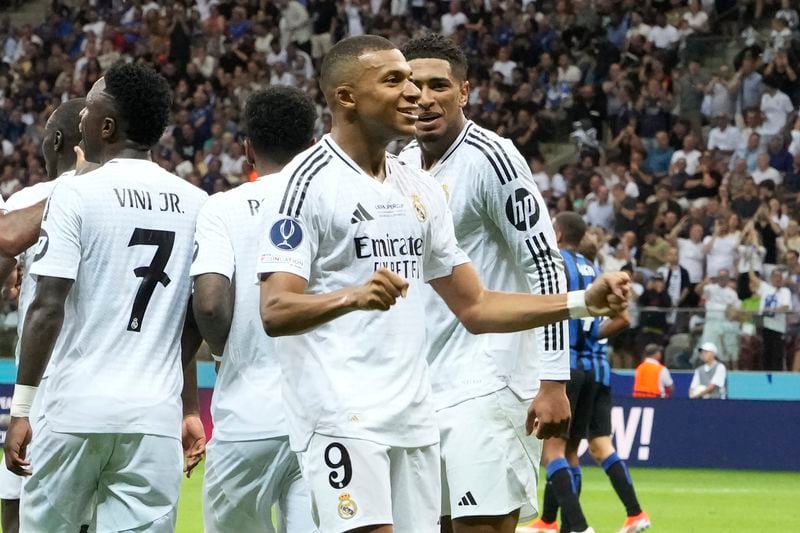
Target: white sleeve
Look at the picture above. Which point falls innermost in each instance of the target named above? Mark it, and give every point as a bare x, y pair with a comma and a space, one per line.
665, 378
784, 298
443, 254
58, 253
2, 205
288, 243
719, 376
695, 380
213, 249
516, 208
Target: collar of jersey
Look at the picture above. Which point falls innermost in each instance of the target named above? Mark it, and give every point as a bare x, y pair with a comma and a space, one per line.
330, 145
461, 136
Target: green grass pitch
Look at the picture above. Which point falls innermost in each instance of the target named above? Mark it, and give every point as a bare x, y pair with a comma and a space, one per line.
678, 501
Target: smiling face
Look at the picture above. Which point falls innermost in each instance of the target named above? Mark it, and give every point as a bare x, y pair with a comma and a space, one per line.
384, 97
441, 100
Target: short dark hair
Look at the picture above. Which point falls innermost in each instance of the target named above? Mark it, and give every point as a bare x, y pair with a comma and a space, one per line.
572, 227
346, 53
143, 99
437, 46
66, 119
280, 122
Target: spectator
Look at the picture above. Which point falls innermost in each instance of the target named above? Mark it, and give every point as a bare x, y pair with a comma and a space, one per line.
653, 304
691, 251
720, 247
690, 153
453, 19
692, 87
747, 86
659, 156
750, 258
764, 172
723, 137
677, 283
652, 379
776, 107
722, 305
654, 252
600, 210
710, 379
295, 25
776, 301
748, 153
504, 65
719, 95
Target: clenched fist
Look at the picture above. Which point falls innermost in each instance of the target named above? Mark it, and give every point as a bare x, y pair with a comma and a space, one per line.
380, 292
608, 295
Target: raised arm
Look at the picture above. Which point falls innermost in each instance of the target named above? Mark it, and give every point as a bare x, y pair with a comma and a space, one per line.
20, 229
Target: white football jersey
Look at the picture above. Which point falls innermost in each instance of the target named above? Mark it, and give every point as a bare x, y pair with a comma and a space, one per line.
124, 233
25, 198
502, 223
362, 375
247, 401
2, 205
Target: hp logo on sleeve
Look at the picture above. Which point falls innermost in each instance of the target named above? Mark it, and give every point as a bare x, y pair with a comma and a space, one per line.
286, 234
522, 210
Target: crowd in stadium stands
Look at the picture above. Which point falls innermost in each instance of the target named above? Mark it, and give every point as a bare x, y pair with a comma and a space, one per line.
683, 114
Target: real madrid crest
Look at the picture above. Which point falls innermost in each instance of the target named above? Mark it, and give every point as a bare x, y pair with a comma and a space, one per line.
419, 208
347, 506
446, 190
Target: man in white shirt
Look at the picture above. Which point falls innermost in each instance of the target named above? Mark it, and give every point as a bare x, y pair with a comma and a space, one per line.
504, 65
721, 304
664, 35
600, 211
453, 18
691, 254
723, 136
690, 153
500, 222
776, 107
250, 466
350, 232
710, 378
112, 281
776, 301
764, 172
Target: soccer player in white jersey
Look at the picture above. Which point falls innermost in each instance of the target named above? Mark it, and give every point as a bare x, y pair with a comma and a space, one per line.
112, 277
249, 465
349, 231
61, 136
483, 385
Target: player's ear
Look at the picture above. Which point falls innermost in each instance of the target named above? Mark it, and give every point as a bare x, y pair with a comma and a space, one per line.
463, 94
249, 153
58, 141
109, 128
344, 97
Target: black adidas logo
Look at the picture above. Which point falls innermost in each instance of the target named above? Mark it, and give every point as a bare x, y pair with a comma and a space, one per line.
467, 499
360, 215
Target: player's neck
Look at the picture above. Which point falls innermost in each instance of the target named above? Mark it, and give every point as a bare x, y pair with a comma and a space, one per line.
367, 152
433, 151
62, 167
265, 167
124, 151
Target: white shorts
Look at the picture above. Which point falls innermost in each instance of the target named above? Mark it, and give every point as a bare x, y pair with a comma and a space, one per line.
356, 483
10, 483
490, 467
244, 479
133, 478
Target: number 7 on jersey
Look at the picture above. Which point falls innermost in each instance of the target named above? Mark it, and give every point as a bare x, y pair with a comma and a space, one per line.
151, 275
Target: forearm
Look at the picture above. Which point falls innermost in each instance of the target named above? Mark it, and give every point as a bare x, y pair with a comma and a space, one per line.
191, 403
42, 325
7, 265
503, 312
615, 325
213, 309
289, 313
19, 230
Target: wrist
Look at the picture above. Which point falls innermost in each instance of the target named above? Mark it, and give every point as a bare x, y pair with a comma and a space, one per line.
22, 400
576, 304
